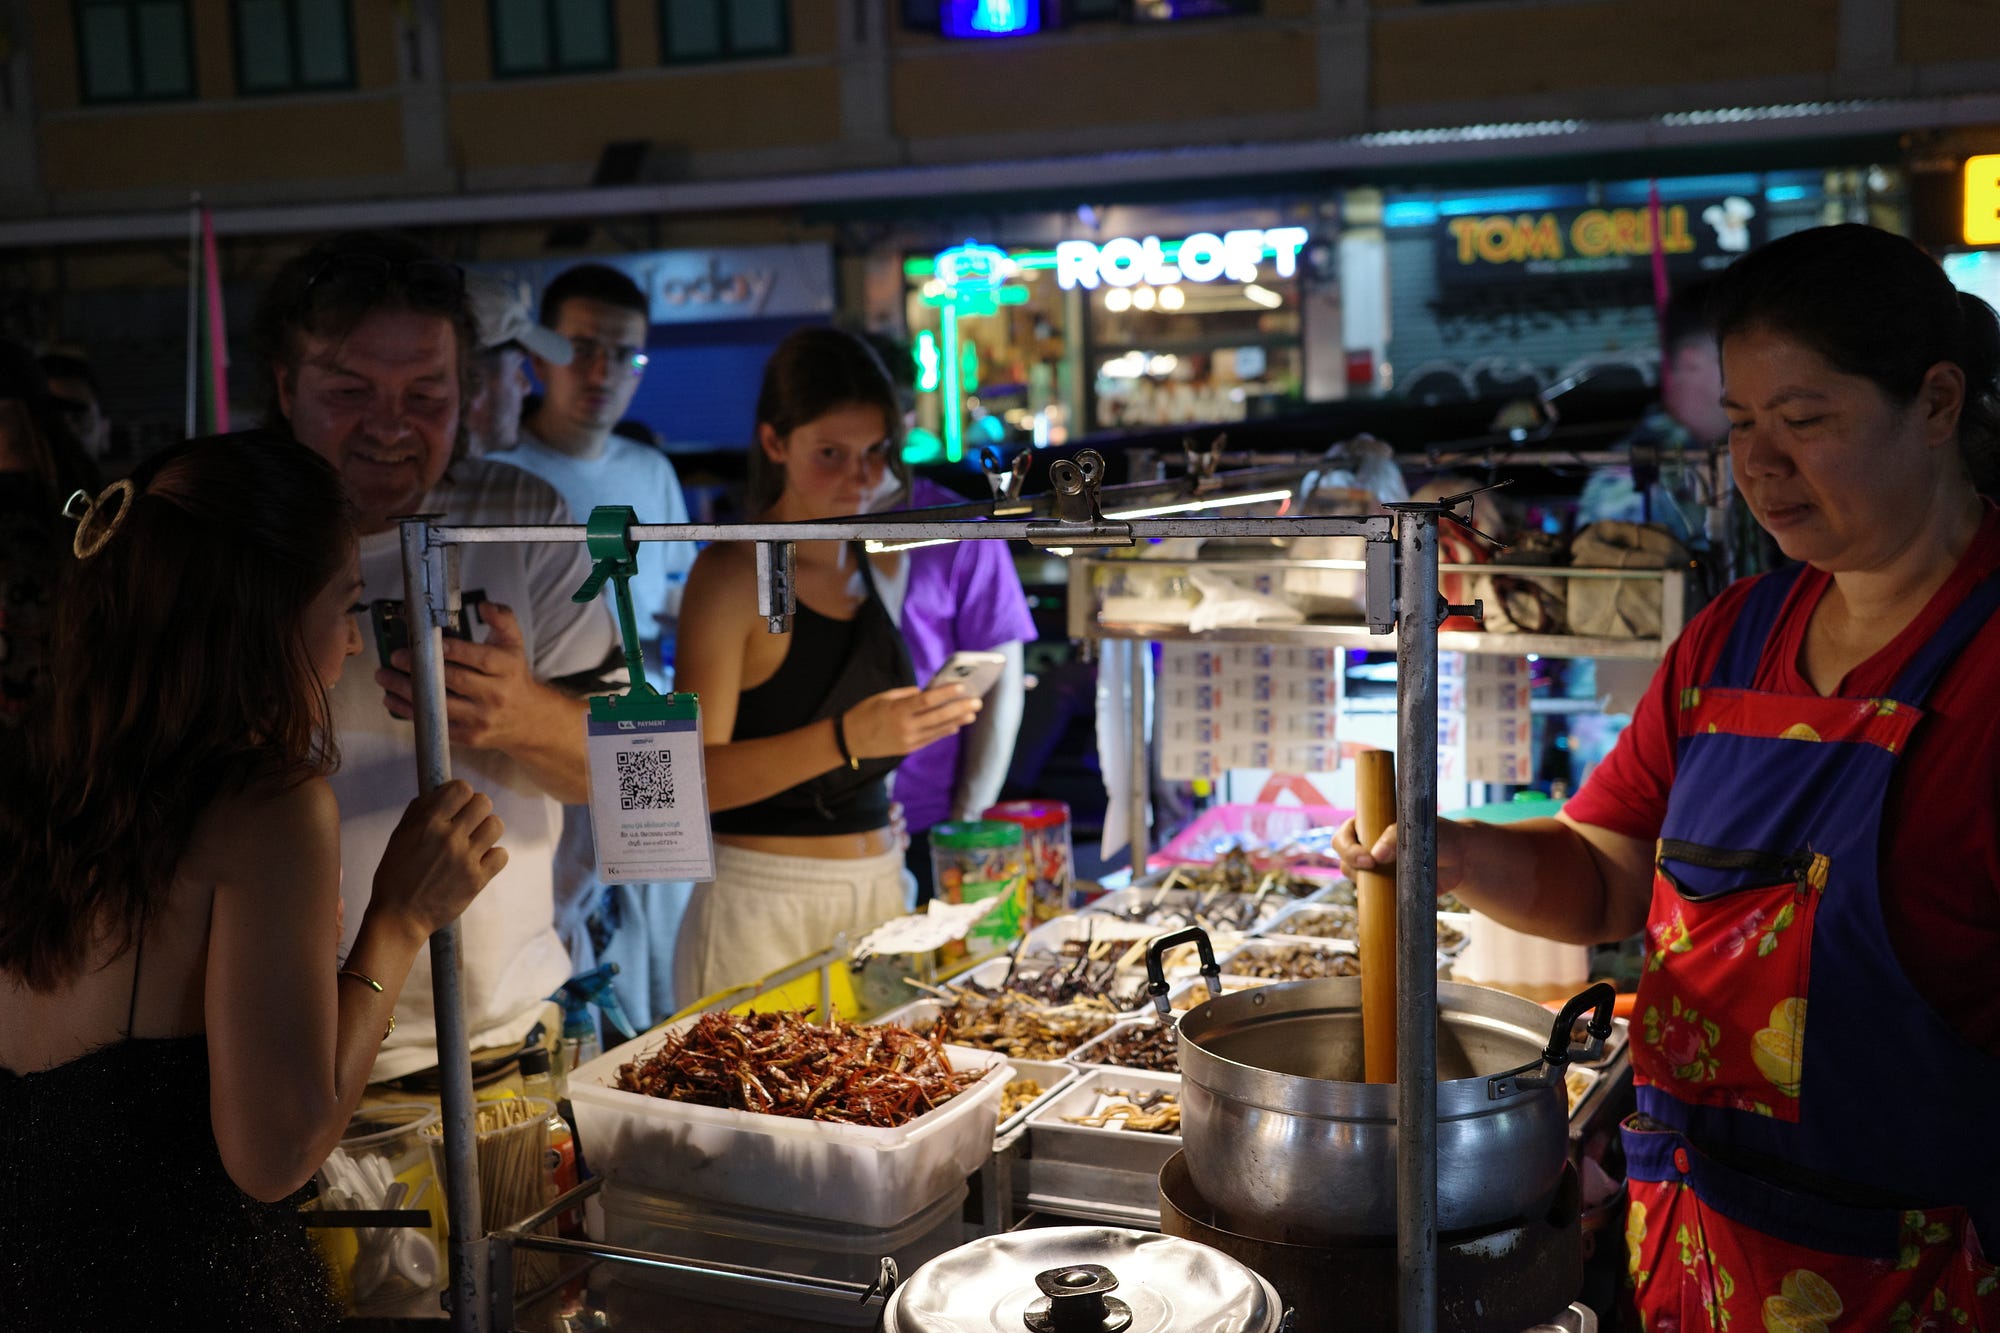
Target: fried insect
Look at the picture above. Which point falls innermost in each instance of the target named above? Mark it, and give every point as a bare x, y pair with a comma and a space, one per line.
1151, 1046
1148, 1112
1294, 962
1020, 1026
1080, 981
1335, 922
783, 1064
1017, 1095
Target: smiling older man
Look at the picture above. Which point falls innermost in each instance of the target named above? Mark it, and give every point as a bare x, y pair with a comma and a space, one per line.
365, 340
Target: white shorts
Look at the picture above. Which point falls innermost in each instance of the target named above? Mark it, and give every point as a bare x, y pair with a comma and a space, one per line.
763, 910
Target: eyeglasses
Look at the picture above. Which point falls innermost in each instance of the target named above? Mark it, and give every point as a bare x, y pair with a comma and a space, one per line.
425, 282
620, 359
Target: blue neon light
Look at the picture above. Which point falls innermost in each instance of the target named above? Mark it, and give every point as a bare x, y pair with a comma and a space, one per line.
990, 18
1409, 213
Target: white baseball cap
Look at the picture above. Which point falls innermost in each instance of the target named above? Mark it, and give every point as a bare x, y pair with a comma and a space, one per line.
500, 309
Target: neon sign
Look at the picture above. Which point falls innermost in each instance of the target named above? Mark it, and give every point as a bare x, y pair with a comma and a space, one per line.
991, 18
1126, 261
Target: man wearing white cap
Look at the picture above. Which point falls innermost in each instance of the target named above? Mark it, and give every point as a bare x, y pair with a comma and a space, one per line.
508, 336
599, 317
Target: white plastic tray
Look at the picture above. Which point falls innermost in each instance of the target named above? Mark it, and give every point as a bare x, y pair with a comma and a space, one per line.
922, 1015
990, 974
805, 1168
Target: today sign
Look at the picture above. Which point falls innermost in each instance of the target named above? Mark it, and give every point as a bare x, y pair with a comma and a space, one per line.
1127, 261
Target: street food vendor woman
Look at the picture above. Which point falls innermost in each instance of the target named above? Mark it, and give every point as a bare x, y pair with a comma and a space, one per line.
802, 729
1802, 816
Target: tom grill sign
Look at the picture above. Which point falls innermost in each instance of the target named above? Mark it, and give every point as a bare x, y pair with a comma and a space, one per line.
1483, 249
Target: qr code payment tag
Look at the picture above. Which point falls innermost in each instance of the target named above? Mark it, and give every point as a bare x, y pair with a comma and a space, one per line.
648, 790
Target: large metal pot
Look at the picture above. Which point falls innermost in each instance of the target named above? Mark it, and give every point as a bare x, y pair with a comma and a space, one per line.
1284, 1139
1084, 1280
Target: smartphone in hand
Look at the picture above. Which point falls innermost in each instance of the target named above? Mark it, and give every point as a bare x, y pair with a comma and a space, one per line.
976, 673
392, 630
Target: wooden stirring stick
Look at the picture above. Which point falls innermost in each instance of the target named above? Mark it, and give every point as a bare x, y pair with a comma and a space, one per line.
1375, 902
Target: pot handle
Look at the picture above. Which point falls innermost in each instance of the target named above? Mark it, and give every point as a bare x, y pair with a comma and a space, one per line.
1547, 1072
1156, 968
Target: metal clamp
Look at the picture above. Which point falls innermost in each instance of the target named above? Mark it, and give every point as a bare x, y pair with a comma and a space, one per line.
777, 584
1006, 479
1079, 520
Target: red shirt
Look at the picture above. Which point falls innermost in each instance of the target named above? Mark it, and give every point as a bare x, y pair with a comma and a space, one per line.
1940, 871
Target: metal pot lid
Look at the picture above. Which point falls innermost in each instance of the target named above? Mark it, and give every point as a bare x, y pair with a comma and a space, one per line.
1165, 1285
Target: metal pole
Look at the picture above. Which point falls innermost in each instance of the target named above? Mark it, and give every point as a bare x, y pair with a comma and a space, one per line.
195, 259
1420, 614
1141, 759
426, 595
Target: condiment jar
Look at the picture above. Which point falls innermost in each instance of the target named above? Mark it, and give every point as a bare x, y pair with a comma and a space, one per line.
1087, 1279
1045, 829
980, 859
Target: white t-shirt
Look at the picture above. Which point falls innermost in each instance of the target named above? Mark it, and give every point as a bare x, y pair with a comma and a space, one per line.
626, 473
512, 957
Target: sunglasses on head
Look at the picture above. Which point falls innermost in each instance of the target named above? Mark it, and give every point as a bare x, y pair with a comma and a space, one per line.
424, 281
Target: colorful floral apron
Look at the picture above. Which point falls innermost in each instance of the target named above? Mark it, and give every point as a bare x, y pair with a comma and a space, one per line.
1815, 1145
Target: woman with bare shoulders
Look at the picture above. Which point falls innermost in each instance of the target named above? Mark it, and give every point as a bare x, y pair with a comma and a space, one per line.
179, 1046
803, 729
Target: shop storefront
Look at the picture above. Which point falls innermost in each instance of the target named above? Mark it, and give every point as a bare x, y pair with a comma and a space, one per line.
1140, 318
1467, 295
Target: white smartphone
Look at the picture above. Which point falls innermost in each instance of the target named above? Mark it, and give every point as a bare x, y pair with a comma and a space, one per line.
976, 673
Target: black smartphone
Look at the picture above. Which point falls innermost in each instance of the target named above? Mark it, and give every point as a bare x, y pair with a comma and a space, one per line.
392, 629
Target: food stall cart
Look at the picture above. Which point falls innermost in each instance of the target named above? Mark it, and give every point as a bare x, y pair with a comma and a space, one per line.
1401, 578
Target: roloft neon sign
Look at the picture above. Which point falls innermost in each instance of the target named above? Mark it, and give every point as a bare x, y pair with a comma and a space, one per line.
1127, 261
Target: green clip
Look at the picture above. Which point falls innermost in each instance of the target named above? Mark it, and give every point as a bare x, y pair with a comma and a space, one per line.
615, 558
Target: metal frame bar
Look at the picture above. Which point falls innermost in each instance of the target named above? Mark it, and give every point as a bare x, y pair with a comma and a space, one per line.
430, 577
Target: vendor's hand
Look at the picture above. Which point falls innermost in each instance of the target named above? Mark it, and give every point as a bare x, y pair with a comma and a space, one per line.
1354, 857
441, 855
900, 721
492, 698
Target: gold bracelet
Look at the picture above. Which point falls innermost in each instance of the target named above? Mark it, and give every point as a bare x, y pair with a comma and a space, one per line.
373, 985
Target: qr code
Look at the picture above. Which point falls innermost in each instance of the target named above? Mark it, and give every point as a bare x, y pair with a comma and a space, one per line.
645, 780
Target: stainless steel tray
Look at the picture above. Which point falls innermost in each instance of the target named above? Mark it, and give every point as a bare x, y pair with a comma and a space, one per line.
1055, 1139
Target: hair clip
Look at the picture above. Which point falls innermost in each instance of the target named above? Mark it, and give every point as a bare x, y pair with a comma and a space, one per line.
97, 519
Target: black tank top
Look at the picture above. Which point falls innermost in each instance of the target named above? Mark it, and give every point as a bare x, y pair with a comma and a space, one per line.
830, 665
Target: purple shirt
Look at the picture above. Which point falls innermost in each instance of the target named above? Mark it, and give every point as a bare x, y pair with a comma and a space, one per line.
962, 596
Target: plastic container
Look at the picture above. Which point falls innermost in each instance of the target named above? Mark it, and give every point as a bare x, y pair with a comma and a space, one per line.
383, 1161
705, 1232
976, 860
1045, 828
802, 1168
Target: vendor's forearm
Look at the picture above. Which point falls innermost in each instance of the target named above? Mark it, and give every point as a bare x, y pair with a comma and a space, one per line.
554, 751
744, 772
1539, 876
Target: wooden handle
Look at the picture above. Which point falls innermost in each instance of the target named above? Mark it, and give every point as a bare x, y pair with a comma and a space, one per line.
1375, 900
